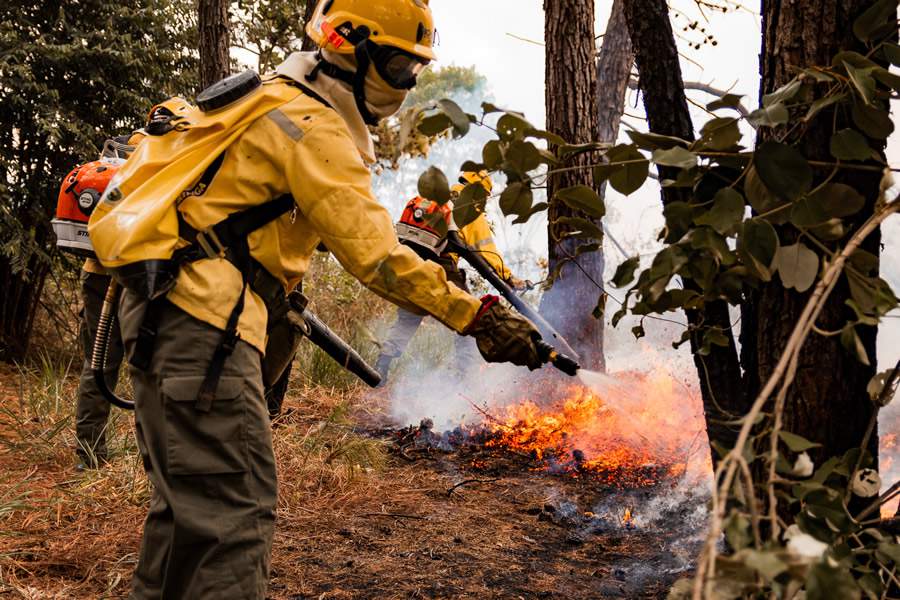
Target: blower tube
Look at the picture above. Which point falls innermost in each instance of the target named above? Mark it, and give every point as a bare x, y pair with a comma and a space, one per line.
101, 346
322, 336
457, 245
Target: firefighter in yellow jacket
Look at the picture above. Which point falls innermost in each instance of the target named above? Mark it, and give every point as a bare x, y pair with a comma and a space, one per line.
198, 224
416, 229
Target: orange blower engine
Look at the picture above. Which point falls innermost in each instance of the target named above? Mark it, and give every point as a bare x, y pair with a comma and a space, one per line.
79, 194
424, 224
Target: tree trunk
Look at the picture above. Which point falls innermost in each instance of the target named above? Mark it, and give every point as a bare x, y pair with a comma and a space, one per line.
613, 75
665, 103
572, 103
215, 62
828, 402
308, 44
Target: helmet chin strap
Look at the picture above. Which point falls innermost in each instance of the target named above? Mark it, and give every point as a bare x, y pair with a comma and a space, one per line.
357, 80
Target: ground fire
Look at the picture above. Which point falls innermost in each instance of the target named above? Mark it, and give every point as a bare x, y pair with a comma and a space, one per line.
638, 431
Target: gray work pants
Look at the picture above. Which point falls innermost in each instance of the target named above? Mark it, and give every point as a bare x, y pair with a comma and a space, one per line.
208, 533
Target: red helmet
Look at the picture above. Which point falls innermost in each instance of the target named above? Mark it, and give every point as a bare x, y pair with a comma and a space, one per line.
79, 194
424, 223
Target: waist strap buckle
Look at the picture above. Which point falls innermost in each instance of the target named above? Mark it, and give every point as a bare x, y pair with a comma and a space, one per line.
210, 243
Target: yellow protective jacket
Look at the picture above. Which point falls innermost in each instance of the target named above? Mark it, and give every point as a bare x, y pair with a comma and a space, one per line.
478, 235
276, 141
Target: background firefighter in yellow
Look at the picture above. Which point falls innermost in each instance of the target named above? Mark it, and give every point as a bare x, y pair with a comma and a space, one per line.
237, 194
415, 230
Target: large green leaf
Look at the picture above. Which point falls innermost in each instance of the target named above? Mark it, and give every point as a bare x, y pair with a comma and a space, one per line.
435, 124
767, 563
761, 198
523, 156
797, 443
838, 200
721, 133
706, 238
849, 144
727, 211
583, 198
822, 103
783, 170
797, 265
675, 157
807, 212
516, 199
470, 204
458, 117
757, 246
433, 185
512, 126
876, 20
852, 344
769, 116
492, 154
874, 121
862, 81
784, 93
627, 178
625, 272
726, 101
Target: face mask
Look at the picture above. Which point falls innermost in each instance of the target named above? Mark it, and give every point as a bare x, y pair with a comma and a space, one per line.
382, 99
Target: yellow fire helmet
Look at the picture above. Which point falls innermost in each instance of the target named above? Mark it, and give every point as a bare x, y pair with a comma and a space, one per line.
468, 177
402, 24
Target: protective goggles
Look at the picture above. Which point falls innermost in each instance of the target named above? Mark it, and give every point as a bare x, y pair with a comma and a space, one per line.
398, 68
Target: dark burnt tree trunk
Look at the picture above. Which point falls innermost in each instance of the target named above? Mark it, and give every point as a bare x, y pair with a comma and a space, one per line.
665, 103
215, 62
308, 44
571, 96
828, 402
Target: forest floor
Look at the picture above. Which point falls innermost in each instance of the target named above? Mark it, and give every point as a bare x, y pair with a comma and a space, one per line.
355, 518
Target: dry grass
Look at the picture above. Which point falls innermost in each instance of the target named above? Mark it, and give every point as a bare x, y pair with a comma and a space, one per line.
70, 534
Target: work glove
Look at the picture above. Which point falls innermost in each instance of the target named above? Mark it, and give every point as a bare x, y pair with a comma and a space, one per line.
504, 336
520, 285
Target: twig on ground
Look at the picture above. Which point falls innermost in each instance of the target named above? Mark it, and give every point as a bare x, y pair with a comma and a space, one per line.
468, 481
394, 515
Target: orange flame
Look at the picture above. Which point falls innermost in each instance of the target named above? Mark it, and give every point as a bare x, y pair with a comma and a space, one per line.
653, 430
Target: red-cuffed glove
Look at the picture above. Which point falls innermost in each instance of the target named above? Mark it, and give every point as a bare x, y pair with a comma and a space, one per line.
504, 336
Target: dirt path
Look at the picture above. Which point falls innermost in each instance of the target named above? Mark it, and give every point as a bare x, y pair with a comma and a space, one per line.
344, 530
